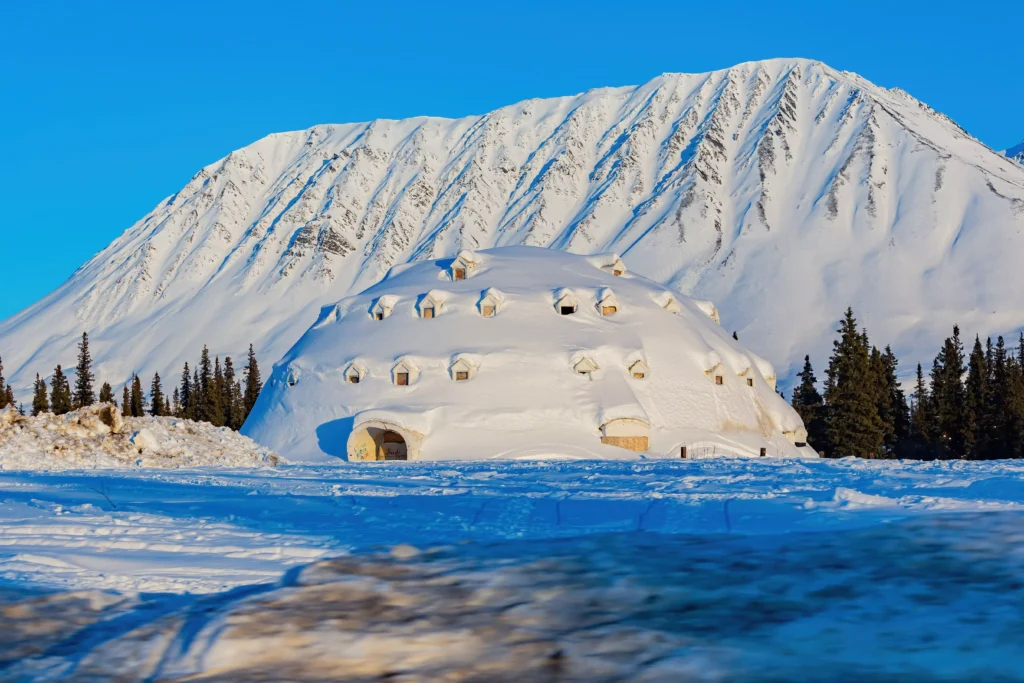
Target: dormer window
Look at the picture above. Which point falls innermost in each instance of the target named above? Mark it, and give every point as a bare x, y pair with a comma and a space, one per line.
565, 302
383, 307
719, 380
607, 304
585, 366
461, 369
404, 373
430, 305
638, 370
463, 265
489, 302
354, 374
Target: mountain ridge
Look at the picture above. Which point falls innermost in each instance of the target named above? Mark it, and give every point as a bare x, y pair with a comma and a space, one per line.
725, 185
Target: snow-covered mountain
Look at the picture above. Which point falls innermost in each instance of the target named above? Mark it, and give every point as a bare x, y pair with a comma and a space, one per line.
1016, 153
782, 190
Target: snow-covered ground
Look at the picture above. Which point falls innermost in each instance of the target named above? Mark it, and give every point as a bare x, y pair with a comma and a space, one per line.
655, 570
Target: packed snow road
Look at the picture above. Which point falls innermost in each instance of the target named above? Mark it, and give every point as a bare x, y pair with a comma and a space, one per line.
701, 570
208, 530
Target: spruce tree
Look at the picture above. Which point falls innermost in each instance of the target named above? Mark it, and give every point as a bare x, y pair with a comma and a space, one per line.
232, 396
84, 394
898, 411
3, 394
137, 398
40, 402
215, 411
197, 397
253, 384
186, 398
106, 393
9, 396
176, 403
60, 393
126, 402
948, 396
157, 405
853, 425
809, 406
205, 384
976, 404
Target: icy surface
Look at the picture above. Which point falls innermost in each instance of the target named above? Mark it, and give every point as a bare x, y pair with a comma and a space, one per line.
523, 397
782, 190
727, 569
98, 437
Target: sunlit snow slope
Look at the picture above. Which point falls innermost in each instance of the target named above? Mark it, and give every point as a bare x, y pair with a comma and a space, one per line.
781, 190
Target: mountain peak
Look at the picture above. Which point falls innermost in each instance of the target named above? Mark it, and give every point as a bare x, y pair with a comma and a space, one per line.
770, 187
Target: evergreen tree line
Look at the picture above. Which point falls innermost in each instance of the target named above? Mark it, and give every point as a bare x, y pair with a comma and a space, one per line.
211, 393
970, 406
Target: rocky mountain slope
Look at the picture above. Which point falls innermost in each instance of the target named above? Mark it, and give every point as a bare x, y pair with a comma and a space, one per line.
782, 190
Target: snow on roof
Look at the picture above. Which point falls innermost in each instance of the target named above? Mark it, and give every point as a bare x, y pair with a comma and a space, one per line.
523, 391
493, 294
609, 261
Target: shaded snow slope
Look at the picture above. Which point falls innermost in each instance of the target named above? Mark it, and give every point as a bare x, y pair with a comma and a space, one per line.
98, 437
782, 190
634, 358
1016, 153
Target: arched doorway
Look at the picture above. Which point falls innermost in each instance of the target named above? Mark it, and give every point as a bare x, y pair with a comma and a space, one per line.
391, 446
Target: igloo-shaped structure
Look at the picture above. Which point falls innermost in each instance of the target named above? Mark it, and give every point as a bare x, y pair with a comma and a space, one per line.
660, 374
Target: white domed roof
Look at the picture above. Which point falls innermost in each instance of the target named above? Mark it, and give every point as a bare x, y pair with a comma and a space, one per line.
535, 353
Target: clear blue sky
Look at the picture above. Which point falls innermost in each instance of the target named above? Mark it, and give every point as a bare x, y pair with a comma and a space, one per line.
108, 107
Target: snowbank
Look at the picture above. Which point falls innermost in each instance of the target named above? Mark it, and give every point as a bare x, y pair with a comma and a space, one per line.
98, 437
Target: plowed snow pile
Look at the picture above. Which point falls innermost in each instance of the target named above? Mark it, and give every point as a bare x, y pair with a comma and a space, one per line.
98, 437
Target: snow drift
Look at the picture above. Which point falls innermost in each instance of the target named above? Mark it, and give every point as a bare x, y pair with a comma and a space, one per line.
521, 352
98, 437
783, 190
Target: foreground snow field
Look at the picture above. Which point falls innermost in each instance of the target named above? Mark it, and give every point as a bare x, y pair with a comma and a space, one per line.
701, 570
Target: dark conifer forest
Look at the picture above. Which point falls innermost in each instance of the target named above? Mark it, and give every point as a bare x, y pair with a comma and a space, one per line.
969, 405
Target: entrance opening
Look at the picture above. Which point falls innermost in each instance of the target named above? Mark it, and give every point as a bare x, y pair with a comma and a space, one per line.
608, 310
391, 446
567, 310
402, 379
487, 311
459, 274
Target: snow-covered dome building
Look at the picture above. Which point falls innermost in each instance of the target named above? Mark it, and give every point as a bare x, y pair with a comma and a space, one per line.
521, 352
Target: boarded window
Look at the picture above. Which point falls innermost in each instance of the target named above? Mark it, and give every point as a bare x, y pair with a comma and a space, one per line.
462, 375
379, 316
608, 310
616, 272
567, 310
719, 379
428, 312
353, 379
750, 382
459, 274
487, 311
402, 379
638, 375
800, 444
